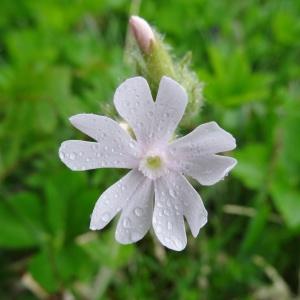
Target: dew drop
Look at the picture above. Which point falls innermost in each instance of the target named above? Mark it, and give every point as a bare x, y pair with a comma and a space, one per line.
138, 211
126, 222
150, 113
166, 212
169, 225
172, 193
178, 243
61, 155
105, 217
159, 204
95, 146
134, 236
158, 229
72, 156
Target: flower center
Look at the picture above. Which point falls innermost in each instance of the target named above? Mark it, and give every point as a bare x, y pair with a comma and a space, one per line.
153, 162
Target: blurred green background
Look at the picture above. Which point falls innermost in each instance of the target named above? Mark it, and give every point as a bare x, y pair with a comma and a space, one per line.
62, 57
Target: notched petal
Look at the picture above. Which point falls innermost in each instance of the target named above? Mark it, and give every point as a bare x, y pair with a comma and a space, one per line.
134, 103
114, 199
136, 216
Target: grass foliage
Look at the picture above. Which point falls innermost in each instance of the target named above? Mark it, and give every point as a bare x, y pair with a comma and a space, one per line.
62, 57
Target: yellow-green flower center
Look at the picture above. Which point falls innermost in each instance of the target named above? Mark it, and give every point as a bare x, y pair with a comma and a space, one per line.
154, 162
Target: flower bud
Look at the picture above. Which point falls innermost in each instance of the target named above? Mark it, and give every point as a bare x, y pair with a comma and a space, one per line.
142, 33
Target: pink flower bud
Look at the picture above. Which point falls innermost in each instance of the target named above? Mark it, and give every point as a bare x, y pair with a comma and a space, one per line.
142, 33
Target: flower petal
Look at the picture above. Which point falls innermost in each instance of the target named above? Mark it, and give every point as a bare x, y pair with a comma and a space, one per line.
208, 169
134, 103
193, 207
82, 155
168, 222
170, 105
102, 129
136, 215
114, 199
207, 138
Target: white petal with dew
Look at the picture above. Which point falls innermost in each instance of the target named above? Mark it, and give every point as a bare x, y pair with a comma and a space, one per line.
170, 105
136, 215
207, 138
103, 130
208, 169
193, 207
134, 103
81, 155
114, 199
168, 222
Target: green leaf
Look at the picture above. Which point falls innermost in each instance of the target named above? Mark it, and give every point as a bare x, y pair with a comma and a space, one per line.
19, 222
44, 269
107, 251
287, 201
252, 165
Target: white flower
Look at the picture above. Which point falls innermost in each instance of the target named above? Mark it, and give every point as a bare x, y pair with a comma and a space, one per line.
155, 191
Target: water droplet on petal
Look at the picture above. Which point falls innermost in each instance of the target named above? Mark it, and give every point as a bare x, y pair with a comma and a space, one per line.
178, 243
158, 229
138, 211
126, 222
150, 113
172, 193
95, 146
72, 155
105, 217
170, 225
134, 236
61, 155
